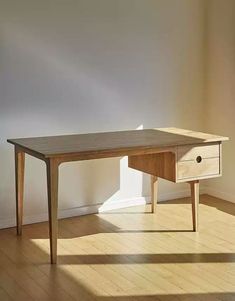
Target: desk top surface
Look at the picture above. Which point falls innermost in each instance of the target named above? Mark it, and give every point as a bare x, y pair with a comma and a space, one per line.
110, 144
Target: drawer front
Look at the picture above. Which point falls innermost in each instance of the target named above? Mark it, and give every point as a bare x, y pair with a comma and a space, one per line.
188, 152
192, 169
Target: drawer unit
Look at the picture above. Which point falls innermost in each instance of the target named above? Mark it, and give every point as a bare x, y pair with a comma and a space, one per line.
186, 161
181, 164
198, 162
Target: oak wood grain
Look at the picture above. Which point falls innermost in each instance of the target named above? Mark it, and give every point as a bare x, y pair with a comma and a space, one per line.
154, 193
162, 165
52, 188
110, 144
203, 170
19, 184
187, 152
194, 185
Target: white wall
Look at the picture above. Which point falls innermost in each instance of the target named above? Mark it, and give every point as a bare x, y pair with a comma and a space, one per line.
88, 66
220, 109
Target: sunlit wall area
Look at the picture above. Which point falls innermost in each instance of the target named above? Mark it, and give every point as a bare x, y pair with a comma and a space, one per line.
220, 109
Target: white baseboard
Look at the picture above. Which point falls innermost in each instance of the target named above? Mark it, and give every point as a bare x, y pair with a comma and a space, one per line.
83, 210
62, 213
219, 194
124, 204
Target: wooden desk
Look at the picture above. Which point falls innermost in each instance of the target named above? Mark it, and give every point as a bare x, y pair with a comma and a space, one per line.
169, 153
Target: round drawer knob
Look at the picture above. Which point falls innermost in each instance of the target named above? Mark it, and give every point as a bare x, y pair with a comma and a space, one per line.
199, 159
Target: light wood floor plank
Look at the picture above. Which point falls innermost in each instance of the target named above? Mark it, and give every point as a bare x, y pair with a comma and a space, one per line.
126, 255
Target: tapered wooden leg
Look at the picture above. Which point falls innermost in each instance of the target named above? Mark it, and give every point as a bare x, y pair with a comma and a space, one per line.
52, 188
154, 190
19, 183
195, 203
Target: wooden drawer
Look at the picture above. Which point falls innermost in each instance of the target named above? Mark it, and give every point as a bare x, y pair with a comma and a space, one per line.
189, 152
192, 169
198, 161
183, 163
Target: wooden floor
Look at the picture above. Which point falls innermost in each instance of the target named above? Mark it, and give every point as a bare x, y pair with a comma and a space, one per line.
125, 255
